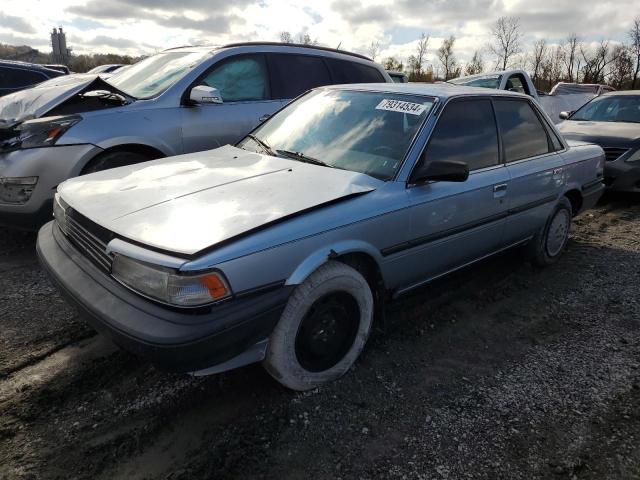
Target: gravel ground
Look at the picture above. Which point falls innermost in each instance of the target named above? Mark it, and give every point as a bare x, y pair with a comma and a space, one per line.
501, 371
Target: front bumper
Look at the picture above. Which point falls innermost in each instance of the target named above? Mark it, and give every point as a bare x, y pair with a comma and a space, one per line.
52, 166
176, 340
622, 176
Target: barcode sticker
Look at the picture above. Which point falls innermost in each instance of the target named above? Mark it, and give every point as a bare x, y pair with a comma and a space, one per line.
401, 107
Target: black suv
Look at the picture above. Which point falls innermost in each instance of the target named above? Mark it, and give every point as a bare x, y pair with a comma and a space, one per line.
16, 76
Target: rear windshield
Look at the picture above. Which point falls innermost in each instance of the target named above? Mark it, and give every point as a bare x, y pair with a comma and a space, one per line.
361, 131
152, 76
489, 81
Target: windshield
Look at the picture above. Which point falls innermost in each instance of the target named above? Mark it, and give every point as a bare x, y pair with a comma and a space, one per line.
620, 108
366, 132
152, 76
492, 81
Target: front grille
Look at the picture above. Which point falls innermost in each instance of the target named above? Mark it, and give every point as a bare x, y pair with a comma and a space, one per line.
613, 153
83, 235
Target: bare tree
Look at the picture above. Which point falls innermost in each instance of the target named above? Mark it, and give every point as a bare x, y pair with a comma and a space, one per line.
634, 36
597, 61
539, 53
416, 62
506, 40
305, 39
285, 37
393, 64
622, 67
476, 65
571, 48
552, 66
447, 58
374, 50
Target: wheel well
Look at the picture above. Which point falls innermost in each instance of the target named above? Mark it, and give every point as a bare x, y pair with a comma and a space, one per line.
149, 152
146, 150
369, 269
575, 197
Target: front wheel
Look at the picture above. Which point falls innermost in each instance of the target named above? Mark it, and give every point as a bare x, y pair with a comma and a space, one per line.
547, 245
323, 328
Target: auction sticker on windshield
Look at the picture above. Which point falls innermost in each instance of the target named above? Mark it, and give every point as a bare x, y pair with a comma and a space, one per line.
401, 106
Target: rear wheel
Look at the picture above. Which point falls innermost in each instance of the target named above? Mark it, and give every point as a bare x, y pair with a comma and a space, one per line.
547, 246
323, 328
109, 160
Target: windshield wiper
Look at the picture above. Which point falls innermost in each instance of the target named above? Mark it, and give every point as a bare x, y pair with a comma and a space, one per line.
304, 158
264, 145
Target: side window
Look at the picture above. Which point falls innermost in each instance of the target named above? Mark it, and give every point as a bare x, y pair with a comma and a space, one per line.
292, 75
523, 135
240, 79
516, 83
343, 71
15, 77
466, 132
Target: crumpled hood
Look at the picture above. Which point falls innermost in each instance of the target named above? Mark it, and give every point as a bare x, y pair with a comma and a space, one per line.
607, 134
34, 102
188, 203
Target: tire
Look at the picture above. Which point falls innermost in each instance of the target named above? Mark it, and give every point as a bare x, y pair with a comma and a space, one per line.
109, 160
547, 245
323, 328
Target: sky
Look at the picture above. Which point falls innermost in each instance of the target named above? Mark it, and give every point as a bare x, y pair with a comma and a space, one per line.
139, 27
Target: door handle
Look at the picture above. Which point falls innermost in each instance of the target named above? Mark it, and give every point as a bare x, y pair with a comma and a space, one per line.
264, 117
499, 191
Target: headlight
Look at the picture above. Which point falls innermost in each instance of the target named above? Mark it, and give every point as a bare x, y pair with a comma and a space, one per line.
167, 286
635, 157
44, 132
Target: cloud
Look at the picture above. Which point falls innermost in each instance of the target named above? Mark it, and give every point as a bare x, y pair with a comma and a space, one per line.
16, 24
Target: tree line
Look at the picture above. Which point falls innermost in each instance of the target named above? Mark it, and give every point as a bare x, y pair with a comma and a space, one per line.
572, 60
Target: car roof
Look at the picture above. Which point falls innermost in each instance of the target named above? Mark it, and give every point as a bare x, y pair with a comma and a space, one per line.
213, 48
439, 90
621, 92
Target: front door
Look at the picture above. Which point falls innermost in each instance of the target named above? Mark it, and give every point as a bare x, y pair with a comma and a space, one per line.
452, 223
243, 83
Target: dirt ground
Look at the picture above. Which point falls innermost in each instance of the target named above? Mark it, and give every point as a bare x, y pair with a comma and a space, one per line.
501, 371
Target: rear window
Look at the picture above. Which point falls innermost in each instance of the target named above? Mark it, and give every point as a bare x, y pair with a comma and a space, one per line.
292, 75
523, 136
343, 71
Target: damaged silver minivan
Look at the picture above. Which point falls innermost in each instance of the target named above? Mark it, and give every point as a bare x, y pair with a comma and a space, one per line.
179, 101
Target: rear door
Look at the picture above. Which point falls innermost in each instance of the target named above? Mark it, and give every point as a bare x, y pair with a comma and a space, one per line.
456, 223
535, 166
243, 82
344, 71
293, 74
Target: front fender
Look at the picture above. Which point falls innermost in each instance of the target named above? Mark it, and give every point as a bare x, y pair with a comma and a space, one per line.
313, 261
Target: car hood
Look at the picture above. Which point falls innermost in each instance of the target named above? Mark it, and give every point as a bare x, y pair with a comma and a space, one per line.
608, 134
36, 101
189, 203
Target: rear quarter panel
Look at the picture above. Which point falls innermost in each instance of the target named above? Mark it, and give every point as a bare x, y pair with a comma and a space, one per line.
584, 164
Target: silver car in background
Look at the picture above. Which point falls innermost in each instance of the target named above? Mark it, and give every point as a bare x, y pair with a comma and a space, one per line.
283, 248
178, 101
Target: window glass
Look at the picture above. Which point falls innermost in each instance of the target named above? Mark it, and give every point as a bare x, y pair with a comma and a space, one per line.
515, 84
343, 71
523, 135
366, 132
466, 132
17, 77
240, 79
153, 75
292, 75
484, 81
610, 108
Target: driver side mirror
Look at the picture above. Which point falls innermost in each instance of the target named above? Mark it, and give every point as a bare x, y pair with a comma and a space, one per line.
442, 171
565, 115
203, 94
